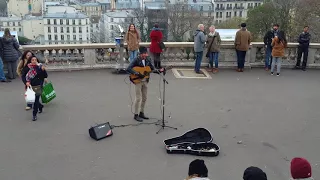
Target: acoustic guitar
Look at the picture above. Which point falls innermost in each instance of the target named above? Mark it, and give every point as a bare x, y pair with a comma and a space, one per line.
142, 70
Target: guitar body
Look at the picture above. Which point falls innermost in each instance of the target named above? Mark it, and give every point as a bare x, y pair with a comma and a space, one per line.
142, 70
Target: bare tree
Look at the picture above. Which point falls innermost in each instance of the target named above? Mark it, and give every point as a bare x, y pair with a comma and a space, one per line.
140, 20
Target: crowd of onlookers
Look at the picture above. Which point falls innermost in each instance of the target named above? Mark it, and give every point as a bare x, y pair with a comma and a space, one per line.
274, 40
300, 169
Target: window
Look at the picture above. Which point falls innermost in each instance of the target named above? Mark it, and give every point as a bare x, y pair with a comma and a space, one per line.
49, 29
221, 14
48, 21
74, 37
240, 14
209, 14
217, 21
87, 29
111, 27
68, 37
235, 13
19, 24
79, 21
80, 29
74, 29
62, 37
67, 21
14, 29
111, 20
201, 8
217, 14
54, 21
55, 37
49, 37
14, 24
55, 29
73, 22
61, 29
68, 30
19, 29
86, 21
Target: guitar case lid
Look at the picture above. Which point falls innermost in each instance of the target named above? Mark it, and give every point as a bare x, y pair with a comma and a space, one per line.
195, 136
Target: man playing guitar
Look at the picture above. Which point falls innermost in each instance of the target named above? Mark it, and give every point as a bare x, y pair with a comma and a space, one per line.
140, 69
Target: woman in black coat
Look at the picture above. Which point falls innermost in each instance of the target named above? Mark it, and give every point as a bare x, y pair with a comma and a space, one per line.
34, 75
10, 52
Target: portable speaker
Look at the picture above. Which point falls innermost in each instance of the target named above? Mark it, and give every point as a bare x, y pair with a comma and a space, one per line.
100, 131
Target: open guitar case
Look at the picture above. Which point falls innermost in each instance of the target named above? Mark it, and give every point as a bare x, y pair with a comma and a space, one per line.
195, 142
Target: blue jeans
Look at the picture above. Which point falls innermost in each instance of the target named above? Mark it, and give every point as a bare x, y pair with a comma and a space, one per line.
268, 57
214, 56
241, 58
2, 76
197, 66
133, 55
278, 61
37, 106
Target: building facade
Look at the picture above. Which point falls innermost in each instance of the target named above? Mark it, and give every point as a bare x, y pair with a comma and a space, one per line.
63, 28
12, 23
23, 7
226, 9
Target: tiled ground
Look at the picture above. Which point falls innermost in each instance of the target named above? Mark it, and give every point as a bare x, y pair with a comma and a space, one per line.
276, 118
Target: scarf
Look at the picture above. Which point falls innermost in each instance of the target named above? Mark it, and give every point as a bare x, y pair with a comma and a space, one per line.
211, 34
32, 72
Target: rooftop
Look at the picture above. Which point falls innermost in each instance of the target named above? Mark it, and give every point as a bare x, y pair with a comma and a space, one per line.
119, 14
255, 118
66, 16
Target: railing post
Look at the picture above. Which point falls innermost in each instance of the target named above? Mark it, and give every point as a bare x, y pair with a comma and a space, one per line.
90, 56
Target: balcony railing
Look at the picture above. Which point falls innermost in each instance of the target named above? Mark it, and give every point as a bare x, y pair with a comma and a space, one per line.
92, 56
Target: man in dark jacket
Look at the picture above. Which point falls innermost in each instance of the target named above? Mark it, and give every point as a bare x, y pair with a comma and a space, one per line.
141, 87
267, 42
303, 48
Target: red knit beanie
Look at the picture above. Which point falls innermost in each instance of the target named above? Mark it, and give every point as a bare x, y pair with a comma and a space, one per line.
300, 168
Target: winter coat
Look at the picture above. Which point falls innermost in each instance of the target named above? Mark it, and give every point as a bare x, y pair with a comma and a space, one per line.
215, 40
10, 49
156, 37
278, 48
199, 41
270, 35
132, 39
243, 40
304, 40
38, 80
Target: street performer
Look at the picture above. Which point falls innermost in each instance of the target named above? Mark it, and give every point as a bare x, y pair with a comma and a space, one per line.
140, 69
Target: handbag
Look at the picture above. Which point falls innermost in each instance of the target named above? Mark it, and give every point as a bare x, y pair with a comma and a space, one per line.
208, 51
37, 90
48, 93
161, 45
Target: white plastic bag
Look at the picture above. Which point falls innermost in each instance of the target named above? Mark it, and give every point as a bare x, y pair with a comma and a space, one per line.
30, 95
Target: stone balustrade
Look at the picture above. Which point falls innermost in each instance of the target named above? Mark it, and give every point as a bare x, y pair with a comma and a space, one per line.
93, 56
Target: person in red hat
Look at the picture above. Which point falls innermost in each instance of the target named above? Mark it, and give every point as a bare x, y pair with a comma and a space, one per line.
300, 169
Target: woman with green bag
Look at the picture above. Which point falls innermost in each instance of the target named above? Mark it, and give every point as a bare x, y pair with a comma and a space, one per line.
33, 75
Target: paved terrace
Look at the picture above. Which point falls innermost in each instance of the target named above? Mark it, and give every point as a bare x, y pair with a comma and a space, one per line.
276, 118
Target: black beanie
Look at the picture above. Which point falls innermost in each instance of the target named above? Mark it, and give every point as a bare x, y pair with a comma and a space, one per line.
243, 25
198, 167
254, 173
143, 50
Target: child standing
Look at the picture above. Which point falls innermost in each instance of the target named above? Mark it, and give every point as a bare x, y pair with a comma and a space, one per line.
279, 43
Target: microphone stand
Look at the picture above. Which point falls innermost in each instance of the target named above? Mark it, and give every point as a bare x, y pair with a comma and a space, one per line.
162, 123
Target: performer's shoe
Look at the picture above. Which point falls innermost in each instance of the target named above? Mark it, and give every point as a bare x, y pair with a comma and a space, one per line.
137, 118
143, 116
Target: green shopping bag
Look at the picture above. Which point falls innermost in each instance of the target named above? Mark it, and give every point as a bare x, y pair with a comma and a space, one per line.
48, 93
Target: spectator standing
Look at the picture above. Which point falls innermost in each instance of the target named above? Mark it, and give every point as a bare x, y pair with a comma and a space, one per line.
300, 169
279, 43
11, 53
267, 42
303, 48
199, 42
213, 45
242, 43
156, 38
254, 173
133, 40
2, 76
197, 170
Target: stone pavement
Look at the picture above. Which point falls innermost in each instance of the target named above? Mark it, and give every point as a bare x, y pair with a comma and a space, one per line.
276, 118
